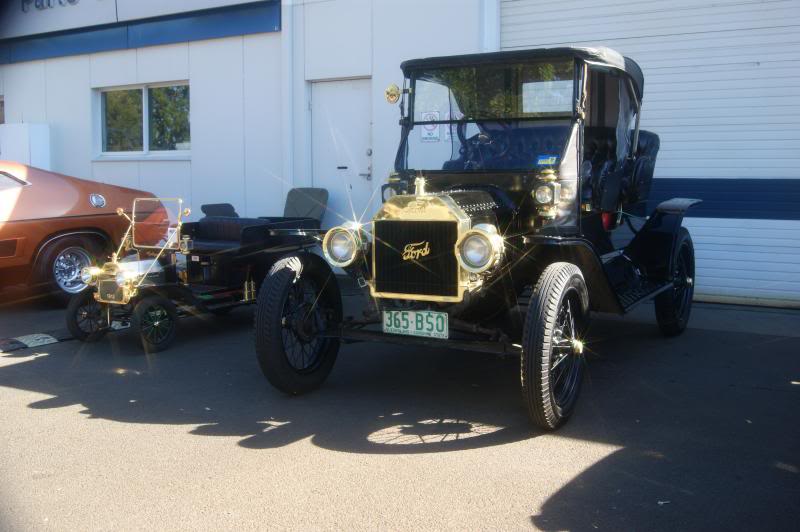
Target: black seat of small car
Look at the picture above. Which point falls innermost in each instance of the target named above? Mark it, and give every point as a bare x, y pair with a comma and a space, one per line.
222, 229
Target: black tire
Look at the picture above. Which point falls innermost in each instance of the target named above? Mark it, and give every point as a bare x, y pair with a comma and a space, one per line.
673, 307
67, 256
87, 319
552, 363
155, 320
298, 299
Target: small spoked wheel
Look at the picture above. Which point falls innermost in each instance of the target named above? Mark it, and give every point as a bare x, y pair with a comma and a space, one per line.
155, 319
673, 307
87, 319
552, 362
298, 304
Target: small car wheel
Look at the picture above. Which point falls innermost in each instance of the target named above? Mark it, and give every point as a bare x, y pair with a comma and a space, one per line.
155, 319
552, 360
87, 319
298, 300
673, 307
61, 264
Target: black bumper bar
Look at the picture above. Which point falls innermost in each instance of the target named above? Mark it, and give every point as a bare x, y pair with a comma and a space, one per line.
351, 335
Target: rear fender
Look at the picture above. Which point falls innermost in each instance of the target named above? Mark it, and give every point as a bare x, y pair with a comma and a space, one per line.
547, 250
653, 247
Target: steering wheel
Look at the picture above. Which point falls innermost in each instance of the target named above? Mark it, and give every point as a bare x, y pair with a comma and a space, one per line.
467, 149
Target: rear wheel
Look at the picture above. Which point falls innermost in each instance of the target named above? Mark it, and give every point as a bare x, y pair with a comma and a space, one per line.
61, 265
298, 301
155, 319
87, 319
673, 307
552, 362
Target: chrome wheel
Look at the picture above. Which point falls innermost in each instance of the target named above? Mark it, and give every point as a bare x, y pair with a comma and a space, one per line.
67, 268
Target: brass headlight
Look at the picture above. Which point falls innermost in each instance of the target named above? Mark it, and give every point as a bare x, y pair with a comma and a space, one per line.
480, 248
342, 246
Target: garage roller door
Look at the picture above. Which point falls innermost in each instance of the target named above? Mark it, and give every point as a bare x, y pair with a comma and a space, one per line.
722, 83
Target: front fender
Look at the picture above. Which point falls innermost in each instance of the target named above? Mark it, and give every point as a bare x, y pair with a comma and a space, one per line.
547, 250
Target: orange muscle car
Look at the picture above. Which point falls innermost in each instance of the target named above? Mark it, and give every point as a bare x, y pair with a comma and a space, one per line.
53, 225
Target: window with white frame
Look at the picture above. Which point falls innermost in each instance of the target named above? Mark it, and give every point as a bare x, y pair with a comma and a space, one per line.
150, 118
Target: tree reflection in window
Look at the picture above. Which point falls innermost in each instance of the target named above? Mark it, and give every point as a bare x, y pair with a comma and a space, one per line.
169, 118
122, 120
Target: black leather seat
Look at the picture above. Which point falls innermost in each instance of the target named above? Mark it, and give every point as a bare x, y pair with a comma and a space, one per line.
222, 230
222, 233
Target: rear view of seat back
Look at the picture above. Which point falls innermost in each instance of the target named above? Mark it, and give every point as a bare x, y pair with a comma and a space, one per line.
642, 179
306, 203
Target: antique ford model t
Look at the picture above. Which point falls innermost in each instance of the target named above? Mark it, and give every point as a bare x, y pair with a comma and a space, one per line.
165, 267
517, 207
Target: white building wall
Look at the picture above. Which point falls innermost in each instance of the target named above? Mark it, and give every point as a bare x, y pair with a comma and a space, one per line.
235, 118
246, 148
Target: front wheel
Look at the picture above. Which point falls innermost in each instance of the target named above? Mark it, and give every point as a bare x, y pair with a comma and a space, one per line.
155, 319
674, 306
298, 303
552, 362
87, 319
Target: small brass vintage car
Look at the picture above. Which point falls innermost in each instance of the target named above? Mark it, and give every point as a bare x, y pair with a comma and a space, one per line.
518, 206
166, 267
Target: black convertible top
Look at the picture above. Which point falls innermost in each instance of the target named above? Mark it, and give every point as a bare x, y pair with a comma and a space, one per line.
598, 56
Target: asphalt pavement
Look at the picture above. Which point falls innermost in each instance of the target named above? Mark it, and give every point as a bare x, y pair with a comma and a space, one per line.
699, 432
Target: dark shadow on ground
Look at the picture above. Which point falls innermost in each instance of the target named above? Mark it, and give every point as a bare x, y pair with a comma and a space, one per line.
708, 423
710, 429
377, 399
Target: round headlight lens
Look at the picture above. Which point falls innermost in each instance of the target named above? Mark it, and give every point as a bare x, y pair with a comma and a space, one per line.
544, 194
86, 276
340, 247
476, 251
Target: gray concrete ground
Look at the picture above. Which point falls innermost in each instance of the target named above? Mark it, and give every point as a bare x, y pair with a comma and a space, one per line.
700, 432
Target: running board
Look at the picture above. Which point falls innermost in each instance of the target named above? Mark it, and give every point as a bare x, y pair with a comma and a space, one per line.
640, 294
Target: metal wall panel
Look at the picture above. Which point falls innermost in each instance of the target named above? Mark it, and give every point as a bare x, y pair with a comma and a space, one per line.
721, 86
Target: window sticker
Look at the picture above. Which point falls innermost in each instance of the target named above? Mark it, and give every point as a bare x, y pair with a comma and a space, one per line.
546, 160
547, 96
430, 132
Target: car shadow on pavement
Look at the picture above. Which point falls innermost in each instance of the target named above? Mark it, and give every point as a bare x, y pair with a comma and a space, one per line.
707, 430
378, 399
704, 425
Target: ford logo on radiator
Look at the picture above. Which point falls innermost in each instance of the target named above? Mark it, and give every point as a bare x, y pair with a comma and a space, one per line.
416, 250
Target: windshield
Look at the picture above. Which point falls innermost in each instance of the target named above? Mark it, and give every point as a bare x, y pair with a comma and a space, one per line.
155, 222
489, 117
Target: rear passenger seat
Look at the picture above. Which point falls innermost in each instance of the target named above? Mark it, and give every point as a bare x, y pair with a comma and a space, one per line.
220, 233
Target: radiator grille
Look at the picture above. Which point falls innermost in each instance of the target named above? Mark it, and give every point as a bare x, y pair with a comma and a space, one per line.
435, 274
109, 291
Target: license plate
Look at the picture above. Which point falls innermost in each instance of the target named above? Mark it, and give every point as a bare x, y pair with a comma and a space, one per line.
425, 323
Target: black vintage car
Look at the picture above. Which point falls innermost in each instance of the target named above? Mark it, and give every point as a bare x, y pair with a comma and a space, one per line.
518, 207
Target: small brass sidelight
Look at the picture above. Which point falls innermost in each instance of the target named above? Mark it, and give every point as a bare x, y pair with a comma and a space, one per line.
392, 93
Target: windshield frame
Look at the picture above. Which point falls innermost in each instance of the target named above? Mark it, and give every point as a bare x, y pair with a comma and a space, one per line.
408, 123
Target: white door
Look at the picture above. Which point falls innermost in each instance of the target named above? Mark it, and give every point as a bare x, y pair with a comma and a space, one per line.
341, 125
